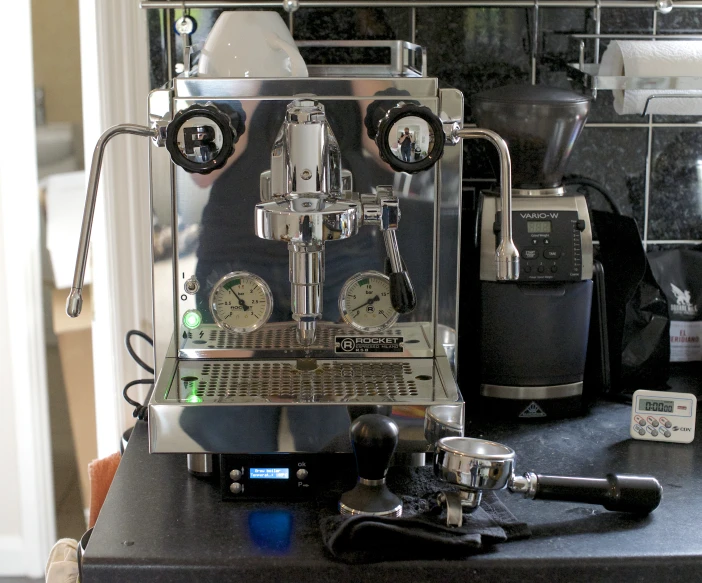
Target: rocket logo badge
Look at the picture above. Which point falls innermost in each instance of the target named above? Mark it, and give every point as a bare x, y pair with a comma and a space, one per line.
532, 410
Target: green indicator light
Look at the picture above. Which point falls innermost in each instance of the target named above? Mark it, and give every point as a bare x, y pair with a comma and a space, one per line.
194, 399
363, 282
192, 319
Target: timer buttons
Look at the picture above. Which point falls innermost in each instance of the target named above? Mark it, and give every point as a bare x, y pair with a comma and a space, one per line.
640, 420
653, 421
665, 422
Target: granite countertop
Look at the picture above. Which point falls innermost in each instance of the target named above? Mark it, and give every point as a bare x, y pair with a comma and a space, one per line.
160, 524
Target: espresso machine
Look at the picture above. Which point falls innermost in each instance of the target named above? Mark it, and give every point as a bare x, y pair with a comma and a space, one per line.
312, 275
532, 334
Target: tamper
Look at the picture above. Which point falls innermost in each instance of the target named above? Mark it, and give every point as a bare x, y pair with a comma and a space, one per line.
374, 439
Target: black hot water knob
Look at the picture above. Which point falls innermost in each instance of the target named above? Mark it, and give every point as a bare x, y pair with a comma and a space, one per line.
374, 439
201, 138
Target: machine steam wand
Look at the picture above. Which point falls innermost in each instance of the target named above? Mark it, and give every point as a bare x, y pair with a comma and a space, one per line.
74, 303
507, 255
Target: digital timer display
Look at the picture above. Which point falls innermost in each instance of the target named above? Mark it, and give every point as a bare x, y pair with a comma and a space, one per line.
656, 406
269, 473
534, 227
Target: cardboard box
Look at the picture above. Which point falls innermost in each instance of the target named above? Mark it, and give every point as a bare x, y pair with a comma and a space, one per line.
75, 344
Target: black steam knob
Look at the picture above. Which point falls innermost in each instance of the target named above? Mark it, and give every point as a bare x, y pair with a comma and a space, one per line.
374, 439
201, 138
397, 126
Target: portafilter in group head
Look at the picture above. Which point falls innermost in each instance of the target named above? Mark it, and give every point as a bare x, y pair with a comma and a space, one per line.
475, 465
540, 125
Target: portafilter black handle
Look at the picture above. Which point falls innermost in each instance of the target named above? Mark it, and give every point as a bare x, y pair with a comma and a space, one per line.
374, 439
619, 493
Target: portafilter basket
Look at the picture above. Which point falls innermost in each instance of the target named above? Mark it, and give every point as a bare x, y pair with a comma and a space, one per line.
475, 465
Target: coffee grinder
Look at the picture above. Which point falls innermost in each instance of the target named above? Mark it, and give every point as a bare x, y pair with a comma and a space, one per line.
533, 332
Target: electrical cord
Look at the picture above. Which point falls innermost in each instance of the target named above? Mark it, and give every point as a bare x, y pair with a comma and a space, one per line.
582, 181
133, 354
141, 410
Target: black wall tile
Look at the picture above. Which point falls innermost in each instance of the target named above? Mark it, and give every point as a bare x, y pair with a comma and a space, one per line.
617, 159
675, 201
474, 49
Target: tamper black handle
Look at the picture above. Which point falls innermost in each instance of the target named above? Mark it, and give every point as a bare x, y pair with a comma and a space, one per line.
620, 493
374, 439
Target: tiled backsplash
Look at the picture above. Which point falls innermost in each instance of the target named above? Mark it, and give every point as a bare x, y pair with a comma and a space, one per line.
652, 167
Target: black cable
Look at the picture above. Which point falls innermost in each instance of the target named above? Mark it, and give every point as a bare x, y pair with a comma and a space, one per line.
134, 355
575, 180
141, 410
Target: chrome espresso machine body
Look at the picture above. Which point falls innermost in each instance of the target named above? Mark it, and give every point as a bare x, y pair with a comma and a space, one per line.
311, 273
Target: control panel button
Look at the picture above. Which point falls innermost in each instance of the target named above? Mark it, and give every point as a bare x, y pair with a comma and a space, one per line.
540, 269
530, 253
640, 420
554, 268
666, 433
235, 475
580, 225
301, 474
653, 421
527, 269
665, 422
547, 241
236, 488
534, 241
553, 253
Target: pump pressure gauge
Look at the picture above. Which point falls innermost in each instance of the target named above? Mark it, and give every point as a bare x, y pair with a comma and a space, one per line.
365, 303
241, 302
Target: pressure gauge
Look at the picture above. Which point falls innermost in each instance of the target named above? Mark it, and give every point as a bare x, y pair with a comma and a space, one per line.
365, 304
241, 302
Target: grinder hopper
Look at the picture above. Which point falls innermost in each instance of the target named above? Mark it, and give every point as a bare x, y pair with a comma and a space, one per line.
540, 125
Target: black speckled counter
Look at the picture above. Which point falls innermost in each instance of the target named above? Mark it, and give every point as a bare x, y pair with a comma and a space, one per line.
160, 524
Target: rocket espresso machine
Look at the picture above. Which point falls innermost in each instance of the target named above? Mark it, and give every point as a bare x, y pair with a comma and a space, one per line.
263, 377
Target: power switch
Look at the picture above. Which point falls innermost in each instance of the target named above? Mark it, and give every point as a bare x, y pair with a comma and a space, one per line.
580, 224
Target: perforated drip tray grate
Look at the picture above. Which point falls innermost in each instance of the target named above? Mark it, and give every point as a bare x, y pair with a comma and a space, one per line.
279, 381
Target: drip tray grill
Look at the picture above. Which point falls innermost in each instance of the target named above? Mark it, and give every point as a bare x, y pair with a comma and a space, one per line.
281, 381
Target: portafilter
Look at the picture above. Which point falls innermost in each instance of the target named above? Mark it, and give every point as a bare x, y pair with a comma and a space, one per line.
475, 465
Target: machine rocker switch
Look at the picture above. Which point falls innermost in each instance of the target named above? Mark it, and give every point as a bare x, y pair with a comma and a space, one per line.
580, 224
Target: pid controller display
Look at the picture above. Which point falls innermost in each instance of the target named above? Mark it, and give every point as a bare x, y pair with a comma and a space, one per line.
663, 416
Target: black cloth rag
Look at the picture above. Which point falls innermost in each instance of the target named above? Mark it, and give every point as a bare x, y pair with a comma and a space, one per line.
421, 532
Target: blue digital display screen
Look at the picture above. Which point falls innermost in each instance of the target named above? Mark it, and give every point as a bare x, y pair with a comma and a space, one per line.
269, 473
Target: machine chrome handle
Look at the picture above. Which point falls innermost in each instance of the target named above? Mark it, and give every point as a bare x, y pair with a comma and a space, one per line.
75, 298
619, 493
506, 256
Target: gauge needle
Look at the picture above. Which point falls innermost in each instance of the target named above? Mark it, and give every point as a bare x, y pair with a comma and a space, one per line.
370, 301
242, 303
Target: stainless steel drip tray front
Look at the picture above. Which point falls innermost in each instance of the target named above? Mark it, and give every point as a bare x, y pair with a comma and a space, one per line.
260, 406
278, 340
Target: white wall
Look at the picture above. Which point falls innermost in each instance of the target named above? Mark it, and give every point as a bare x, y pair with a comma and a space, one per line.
115, 86
27, 527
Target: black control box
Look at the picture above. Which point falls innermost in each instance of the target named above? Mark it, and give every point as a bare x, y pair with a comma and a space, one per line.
549, 244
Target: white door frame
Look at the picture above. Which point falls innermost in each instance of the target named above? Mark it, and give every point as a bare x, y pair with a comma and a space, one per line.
115, 86
22, 349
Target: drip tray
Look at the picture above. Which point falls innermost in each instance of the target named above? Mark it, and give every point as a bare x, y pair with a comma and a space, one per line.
280, 381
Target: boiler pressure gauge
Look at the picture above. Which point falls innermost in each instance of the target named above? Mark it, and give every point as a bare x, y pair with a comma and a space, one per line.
241, 302
365, 303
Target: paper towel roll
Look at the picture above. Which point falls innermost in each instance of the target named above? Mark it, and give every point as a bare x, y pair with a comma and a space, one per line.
655, 59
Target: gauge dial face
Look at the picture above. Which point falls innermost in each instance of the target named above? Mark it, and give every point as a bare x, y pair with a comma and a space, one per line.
365, 303
241, 302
